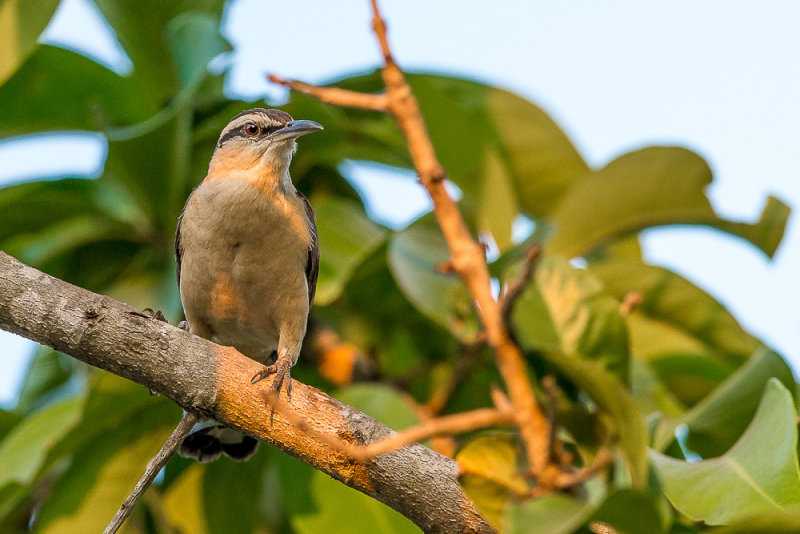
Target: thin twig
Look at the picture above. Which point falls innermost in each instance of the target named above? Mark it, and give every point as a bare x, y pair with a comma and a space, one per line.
445, 445
499, 399
441, 426
569, 480
552, 391
517, 286
334, 95
167, 451
631, 301
467, 358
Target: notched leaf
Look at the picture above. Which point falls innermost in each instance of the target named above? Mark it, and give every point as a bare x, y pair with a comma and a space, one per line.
759, 474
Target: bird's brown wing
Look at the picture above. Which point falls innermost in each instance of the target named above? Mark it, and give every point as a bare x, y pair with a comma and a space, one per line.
178, 247
312, 265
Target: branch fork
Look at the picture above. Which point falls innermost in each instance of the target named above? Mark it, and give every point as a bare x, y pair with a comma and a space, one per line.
467, 256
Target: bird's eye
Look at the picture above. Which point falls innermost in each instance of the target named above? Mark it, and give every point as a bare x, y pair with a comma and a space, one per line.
251, 129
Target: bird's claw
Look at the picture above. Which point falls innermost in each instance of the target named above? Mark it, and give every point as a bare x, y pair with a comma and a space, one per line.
149, 313
281, 370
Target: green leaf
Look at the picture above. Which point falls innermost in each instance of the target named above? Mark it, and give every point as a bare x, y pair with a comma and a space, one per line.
414, 254
626, 511
719, 419
758, 474
346, 238
24, 450
467, 120
765, 523
491, 473
184, 503
650, 187
48, 371
65, 238
687, 367
158, 181
23, 205
317, 503
81, 240
613, 397
163, 170
585, 320
498, 206
553, 514
60, 90
193, 40
670, 299
102, 474
21, 23
8, 420
494, 144
109, 402
232, 494
383, 403
650, 394
629, 512
142, 30
397, 334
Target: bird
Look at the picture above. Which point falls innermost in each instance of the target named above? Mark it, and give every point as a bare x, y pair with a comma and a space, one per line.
248, 259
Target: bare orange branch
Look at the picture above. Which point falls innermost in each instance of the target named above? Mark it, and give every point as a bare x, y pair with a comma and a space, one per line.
334, 95
445, 445
441, 426
569, 480
467, 256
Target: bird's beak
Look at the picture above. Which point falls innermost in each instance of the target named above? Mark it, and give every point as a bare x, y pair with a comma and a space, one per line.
295, 129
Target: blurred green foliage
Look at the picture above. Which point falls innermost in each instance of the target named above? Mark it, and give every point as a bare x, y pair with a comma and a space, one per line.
677, 364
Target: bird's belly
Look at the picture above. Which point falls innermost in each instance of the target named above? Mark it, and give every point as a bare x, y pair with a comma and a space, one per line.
238, 295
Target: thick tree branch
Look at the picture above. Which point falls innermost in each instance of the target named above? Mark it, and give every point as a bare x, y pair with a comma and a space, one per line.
214, 381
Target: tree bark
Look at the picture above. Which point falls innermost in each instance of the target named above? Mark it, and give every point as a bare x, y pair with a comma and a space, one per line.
215, 381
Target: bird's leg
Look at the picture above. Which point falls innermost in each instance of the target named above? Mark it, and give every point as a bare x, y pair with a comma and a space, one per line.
281, 369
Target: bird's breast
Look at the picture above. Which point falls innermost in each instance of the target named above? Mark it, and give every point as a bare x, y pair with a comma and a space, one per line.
243, 264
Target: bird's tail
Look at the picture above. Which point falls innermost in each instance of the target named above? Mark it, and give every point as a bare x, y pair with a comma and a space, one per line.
208, 443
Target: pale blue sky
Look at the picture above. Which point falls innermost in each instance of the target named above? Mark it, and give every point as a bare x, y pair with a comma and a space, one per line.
720, 77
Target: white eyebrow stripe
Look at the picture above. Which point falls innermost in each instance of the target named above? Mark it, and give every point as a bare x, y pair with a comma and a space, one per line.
265, 118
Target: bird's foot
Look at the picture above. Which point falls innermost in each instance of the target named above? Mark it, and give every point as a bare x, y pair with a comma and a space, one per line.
183, 325
281, 370
149, 313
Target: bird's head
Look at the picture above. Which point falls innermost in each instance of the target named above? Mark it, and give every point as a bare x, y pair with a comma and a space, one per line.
261, 137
